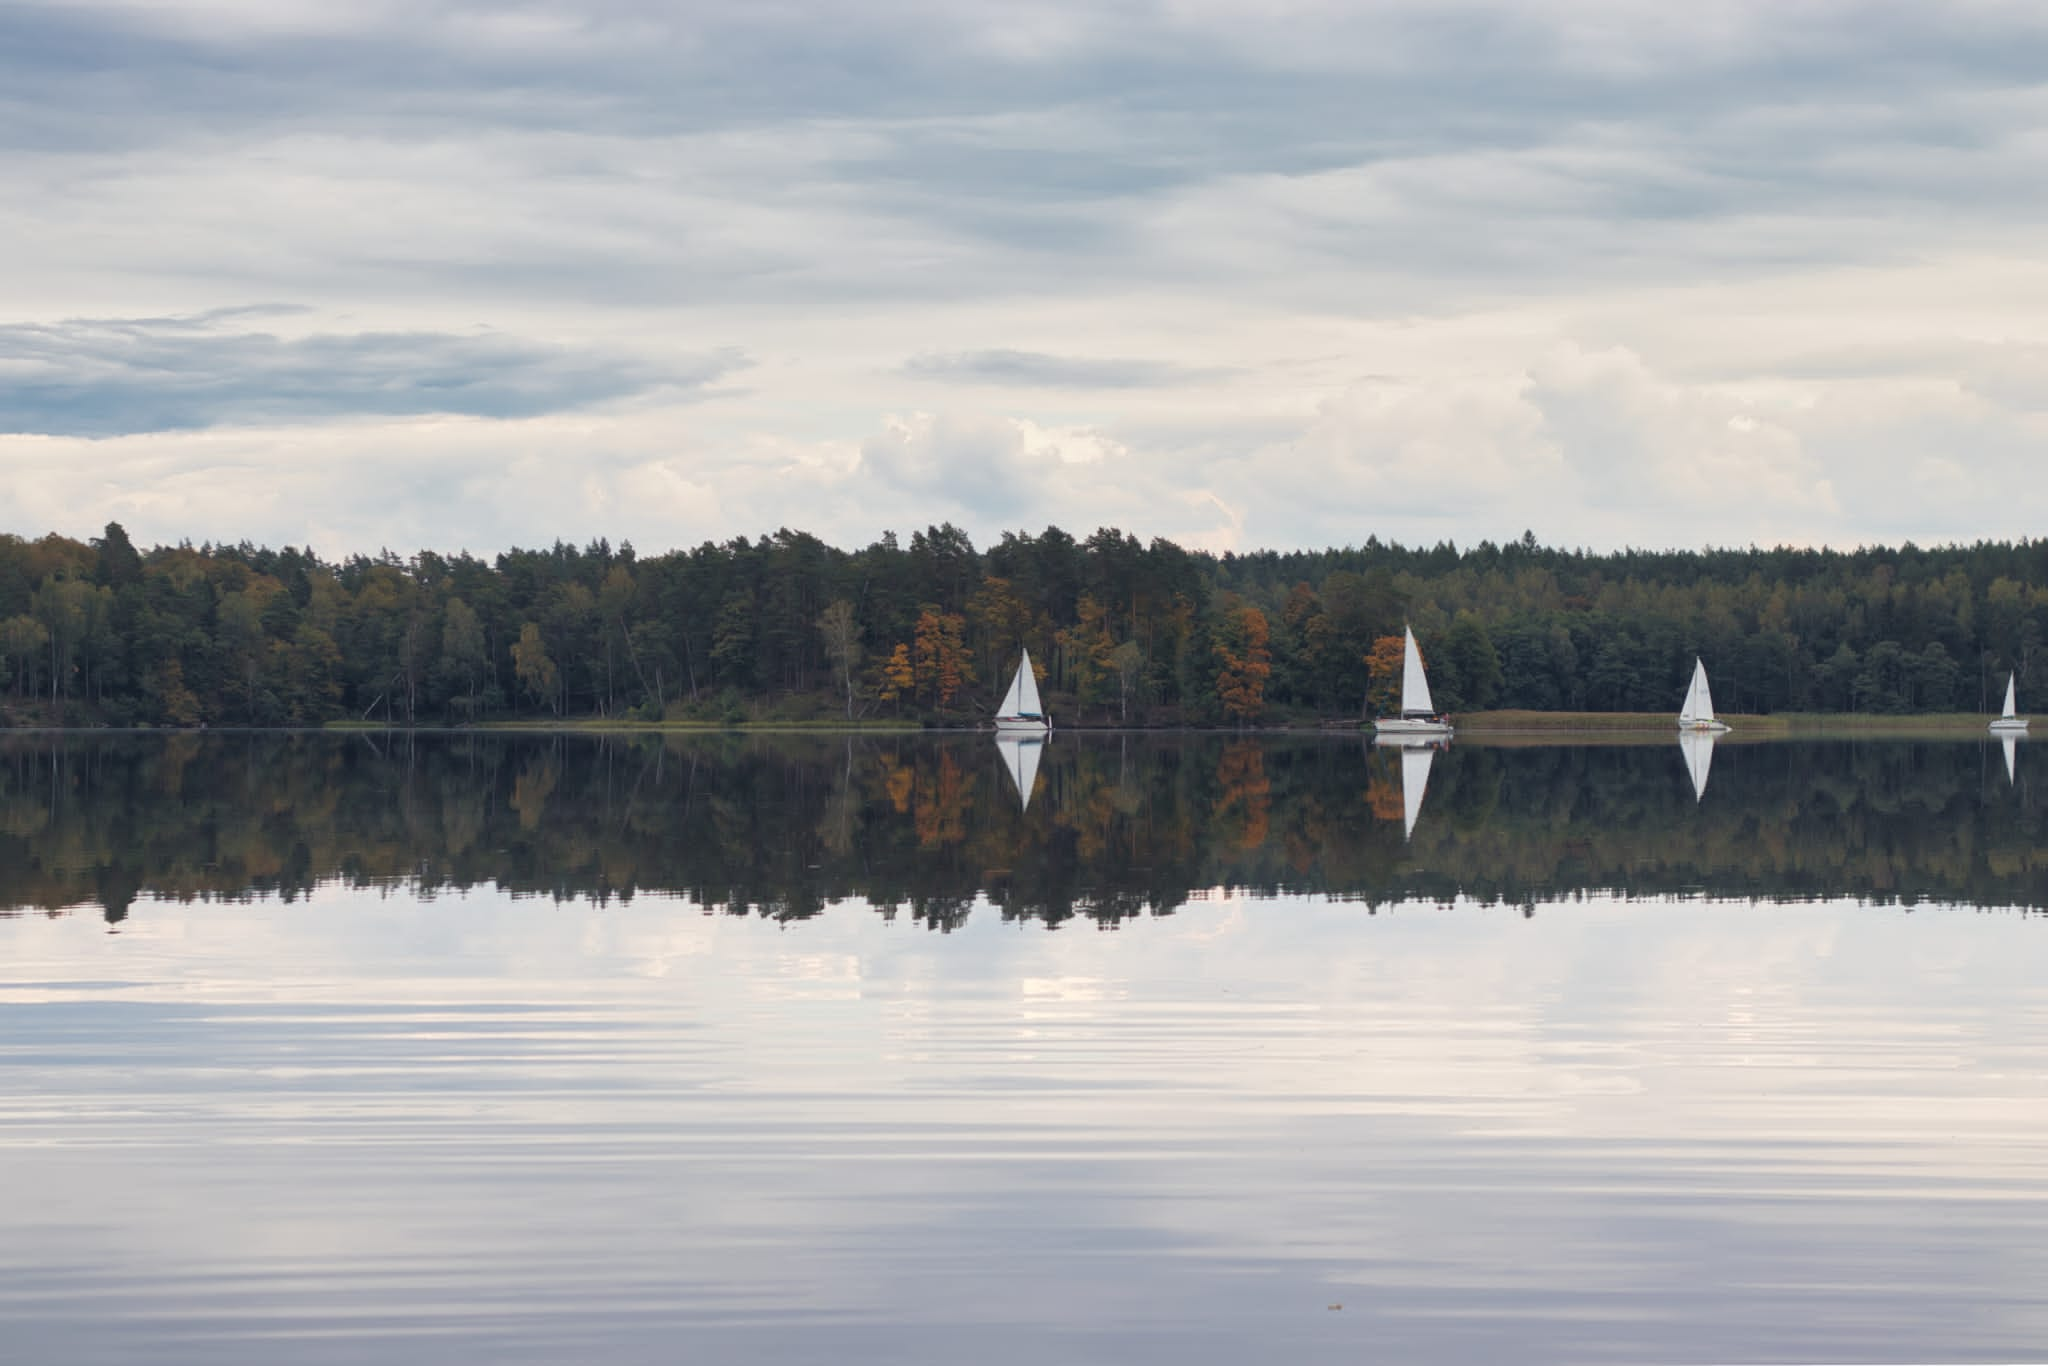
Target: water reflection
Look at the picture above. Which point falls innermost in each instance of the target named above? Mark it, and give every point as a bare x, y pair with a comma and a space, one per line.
1020, 756
486, 1076
378, 1127
1416, 758
1102, 827
1698, 748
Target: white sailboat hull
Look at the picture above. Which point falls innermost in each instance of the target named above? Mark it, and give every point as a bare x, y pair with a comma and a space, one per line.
1697, 726
2011, 724
1027, 725
1421, 726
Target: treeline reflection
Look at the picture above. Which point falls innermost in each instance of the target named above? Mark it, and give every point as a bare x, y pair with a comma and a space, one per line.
1116, 825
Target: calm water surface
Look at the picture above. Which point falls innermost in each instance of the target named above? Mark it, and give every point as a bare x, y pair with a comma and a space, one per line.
347, 1049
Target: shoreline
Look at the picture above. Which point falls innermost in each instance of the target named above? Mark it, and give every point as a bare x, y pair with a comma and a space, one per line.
1780, 725
1504, 725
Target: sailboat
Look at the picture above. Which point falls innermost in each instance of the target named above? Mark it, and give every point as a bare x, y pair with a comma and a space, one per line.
1418, 715
1697, 713
1020, 756
1698, 748
1021, 710
2008, 720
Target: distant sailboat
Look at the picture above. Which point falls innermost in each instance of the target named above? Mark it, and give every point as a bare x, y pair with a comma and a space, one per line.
1418, 716
1416, 757
1021, 710
2009, 720
1697, 713
1020, 756
1698, 748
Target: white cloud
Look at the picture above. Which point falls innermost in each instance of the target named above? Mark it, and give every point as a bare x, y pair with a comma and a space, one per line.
1611, 271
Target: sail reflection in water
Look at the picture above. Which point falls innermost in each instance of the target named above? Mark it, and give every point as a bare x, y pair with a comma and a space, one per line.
539, 1049
1020, 758
1698, 748
1416, 758
1103, 827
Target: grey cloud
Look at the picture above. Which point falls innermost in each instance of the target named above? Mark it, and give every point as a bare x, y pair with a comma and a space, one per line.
911, 150
1167, 99
976, 464
1034, 369
113, 377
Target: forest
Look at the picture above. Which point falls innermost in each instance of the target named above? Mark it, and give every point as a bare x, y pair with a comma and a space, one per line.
1124, 633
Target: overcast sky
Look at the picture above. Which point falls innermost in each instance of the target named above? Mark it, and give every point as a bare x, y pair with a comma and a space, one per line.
464, 275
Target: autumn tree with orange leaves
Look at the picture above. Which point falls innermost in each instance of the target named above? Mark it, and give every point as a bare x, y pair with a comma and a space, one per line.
940, 656
894, 676
1241, 646
1384, 664
1002, 619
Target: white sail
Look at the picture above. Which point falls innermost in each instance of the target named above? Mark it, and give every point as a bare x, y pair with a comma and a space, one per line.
2010, 719
1698, 748
1021, 758
1022, 698
1414, 687
1027, 687
1699, 700
1415, 762
2009, 743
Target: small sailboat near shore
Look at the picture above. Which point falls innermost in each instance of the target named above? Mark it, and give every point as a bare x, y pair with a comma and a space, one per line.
2009, 721
1697, 712
1419, 718
1021, 711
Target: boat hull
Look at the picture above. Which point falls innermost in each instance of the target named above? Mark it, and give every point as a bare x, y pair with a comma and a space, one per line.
2013, 725
1703, 727
1403, 727
1023, 725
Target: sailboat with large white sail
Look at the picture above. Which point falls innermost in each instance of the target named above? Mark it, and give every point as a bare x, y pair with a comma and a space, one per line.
1418, 716
1021, 709
2009, 720
1697, 712
1020, 755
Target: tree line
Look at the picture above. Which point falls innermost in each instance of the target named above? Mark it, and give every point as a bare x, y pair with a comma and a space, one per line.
1123, 632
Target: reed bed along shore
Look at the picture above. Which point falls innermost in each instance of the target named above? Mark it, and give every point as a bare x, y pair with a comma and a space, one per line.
1781, 723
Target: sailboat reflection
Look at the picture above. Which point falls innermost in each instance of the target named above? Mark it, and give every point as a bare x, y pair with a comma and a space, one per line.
1416, 757
1020, 756
2009, 742
1698, 748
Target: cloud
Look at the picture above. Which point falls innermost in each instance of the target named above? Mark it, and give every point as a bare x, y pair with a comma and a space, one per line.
1636, 441
973, 465
1035, 369
111, 377
1619, 272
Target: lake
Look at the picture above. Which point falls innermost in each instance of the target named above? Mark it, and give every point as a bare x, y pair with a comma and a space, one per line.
338, 1048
